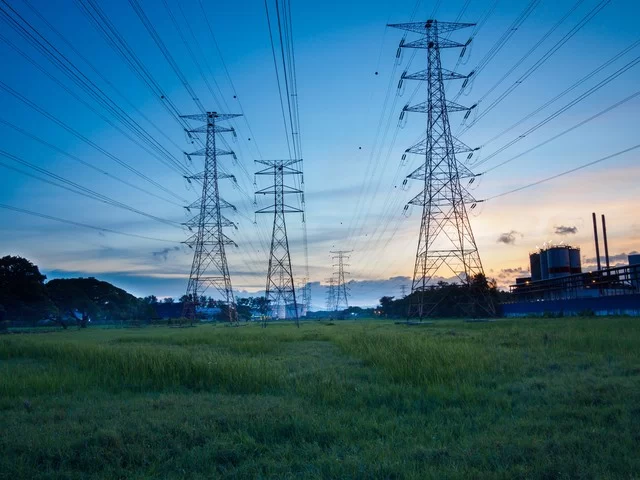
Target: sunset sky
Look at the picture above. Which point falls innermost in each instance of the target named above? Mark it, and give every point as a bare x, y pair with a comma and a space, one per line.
352, 146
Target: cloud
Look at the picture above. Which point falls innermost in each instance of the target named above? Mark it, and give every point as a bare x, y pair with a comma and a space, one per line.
509, 238
613, 259
164, 253
562, 230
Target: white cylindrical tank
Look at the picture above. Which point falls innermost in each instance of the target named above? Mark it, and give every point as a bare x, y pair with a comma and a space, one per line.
574, 260
544, 265
558, 261
534, 262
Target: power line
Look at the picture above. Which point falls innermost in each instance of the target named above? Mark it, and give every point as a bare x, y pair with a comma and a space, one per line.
548, 54
564, 132
564, 108
59, 60
567, 172
80, 224
275, 65
83, 162
84, 139
564, 92
77, 188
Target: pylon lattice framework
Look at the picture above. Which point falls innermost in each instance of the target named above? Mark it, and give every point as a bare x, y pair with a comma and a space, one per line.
331, 295
446, 243
341, 290
209, 267
280, 291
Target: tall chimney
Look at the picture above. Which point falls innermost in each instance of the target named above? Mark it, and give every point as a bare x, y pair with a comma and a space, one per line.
595, 236
606, 243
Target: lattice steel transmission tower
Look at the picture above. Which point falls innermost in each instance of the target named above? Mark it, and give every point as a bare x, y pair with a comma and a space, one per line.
208, 240
341, 294
280, 291
331, 295
305, 304
446, 245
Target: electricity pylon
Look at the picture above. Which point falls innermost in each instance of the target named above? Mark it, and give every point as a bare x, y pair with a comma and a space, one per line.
341, 287
331, 295
280, 291
209, 267
446, 245
306, 295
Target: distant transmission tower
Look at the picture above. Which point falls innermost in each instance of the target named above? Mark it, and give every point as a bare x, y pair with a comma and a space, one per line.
209, 267
306, 295
446, 244
280, 292
303, 286
403, 290
331, 295
342, 301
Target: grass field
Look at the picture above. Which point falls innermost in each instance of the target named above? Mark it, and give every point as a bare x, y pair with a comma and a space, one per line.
530, 398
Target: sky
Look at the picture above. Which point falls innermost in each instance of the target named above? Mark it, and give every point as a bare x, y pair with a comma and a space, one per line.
352, 143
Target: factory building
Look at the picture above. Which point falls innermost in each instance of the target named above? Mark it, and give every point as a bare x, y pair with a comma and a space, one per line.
558, 286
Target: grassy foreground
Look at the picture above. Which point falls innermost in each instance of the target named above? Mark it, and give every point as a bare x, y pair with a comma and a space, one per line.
544, 398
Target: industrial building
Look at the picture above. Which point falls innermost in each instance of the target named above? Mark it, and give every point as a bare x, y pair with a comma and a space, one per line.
558, 286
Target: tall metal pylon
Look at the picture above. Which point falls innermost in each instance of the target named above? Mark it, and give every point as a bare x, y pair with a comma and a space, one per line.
342, 296
306, 295
280, 291
208, 241
331, 295
446, 245
303, 286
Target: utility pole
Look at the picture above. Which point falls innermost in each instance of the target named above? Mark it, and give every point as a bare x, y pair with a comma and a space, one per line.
342, 301
446, 245
209, 267
280, 291
331, 294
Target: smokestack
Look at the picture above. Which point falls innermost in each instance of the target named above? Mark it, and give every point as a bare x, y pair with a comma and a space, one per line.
595, 236
606, 243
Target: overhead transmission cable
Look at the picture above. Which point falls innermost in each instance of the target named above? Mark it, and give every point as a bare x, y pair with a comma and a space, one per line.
564, 92
563, 109
548, 54
75, 187
566, 172
564, 132
85, 139
64, 64
83, 162
99, 74
80, 224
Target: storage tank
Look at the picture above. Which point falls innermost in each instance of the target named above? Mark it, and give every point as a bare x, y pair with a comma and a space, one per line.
534, 262
558, 261
574, 260
634, 259
544, 265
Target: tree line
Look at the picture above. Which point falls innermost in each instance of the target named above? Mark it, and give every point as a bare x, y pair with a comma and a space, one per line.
27, 298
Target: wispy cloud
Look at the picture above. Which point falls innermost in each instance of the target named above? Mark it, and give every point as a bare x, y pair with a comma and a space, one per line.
613, 259
563, 230
509, 238
164, 253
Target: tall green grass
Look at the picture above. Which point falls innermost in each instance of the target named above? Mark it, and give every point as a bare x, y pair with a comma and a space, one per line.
530, 398
142, 367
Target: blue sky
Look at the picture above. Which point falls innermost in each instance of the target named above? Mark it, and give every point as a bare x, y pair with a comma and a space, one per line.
353, 176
